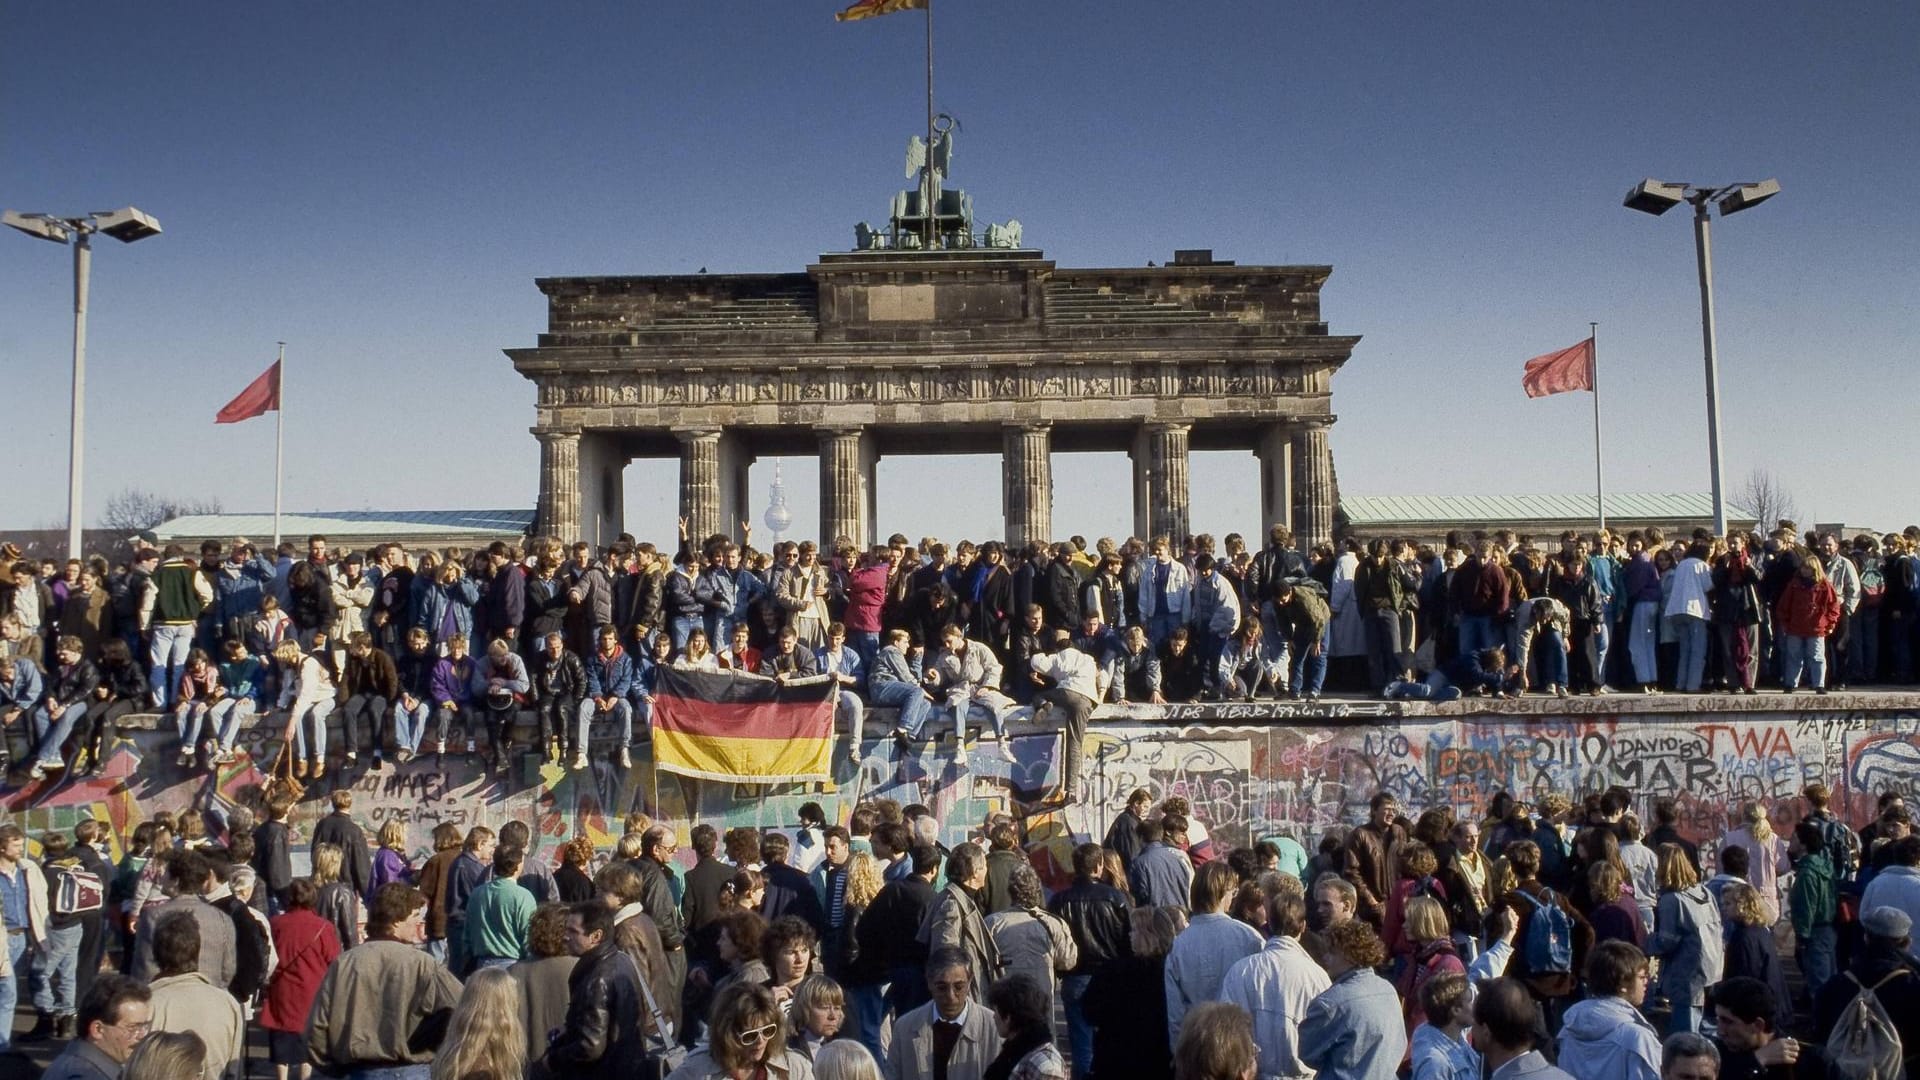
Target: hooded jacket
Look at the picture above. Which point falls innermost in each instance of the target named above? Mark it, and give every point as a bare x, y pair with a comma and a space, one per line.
1607, 1039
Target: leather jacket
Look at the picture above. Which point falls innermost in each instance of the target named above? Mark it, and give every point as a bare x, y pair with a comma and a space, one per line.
1096, 914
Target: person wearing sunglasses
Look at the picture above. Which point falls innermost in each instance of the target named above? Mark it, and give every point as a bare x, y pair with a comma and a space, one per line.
747, 1040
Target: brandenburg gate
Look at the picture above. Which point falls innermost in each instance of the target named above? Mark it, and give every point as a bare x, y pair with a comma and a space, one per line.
967, 344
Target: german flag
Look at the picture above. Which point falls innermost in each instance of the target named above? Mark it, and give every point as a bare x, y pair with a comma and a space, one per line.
867, 9
746, 729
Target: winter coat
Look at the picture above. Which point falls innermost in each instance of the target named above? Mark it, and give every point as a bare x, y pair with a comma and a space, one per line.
562, 679
453, 682
431, 613
350, 603
1605, 1038
306, 946
1806, 609
610, 675
1688, 939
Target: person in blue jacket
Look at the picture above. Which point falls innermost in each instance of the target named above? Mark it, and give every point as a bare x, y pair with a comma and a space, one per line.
609, 686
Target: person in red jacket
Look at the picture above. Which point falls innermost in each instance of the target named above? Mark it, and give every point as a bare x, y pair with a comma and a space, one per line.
1806, 613
306, 944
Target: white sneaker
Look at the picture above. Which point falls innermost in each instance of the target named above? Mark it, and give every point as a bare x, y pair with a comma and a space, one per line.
959, 753
1006, 750
579, 762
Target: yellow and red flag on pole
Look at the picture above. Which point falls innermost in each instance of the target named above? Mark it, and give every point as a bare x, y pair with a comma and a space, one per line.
745, 729
867, 9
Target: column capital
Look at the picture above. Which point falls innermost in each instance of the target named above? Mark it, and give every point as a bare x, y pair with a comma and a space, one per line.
688, 435
1170, 427
1034, 426
549, 437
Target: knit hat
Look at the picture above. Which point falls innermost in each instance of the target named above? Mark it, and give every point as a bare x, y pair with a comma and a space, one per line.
1887, 922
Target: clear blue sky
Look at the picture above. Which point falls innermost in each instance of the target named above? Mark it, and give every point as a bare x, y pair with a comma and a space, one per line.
380, 184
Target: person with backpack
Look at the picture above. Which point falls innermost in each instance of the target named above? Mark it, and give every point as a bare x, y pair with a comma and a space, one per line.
1814, 901
1882, 987
1688, 939
1551, 938
73, 894
1863, 630
1418, 867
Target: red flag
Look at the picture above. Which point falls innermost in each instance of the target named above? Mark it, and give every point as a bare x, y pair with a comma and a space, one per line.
261, 396
1558, 372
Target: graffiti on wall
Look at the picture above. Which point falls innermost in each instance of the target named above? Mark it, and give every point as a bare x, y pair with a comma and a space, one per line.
1244, 782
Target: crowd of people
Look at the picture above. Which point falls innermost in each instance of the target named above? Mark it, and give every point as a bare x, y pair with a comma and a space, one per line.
432, 651
1545, 940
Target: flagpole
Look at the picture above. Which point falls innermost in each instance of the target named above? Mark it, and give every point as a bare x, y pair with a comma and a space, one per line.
279, 436
932, 198
1599, 480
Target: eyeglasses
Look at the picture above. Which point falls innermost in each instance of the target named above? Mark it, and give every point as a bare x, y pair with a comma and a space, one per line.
139, 1031
756, 1036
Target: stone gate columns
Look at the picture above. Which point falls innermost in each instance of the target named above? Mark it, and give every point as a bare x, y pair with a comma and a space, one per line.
1160, 502
847, 462
1314, 460
1026, 498
602, 488
559, 484
1275, 451
713, 483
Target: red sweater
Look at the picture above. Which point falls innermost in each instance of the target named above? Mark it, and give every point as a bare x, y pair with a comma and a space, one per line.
1807, 610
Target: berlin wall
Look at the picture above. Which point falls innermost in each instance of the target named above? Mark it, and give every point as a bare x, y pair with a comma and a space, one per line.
1249, 771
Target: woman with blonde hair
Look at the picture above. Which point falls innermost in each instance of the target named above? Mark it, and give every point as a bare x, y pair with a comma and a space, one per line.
1429, 939
485, 1036
390, 863
1767, 856
1687, 939
862, 963
1750, 948
336, 901
166, 1055
1807, 611
307, 697
845, 1059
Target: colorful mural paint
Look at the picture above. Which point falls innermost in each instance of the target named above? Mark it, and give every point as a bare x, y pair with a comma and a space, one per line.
1249, 772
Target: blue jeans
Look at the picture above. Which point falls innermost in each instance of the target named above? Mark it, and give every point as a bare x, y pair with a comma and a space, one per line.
1079, 1033
868, 1005
1477, 632
188, 717
1643, 641
1816, 957
1797, 653
909, 699
622, 712
865, 645
1435, 687
1863, 658
1550, 650
410, 725
1686, 1017
166, 659
1692, 632
679, 626
316, 715
49, 732
1602, 645
226, 717
1309, 667
10, 986
54, 971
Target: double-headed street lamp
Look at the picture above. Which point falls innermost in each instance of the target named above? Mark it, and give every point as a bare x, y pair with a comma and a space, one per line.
1657, 197
125, 225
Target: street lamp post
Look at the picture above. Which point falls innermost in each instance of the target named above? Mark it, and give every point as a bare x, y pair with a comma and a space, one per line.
125, 225
1657, 197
